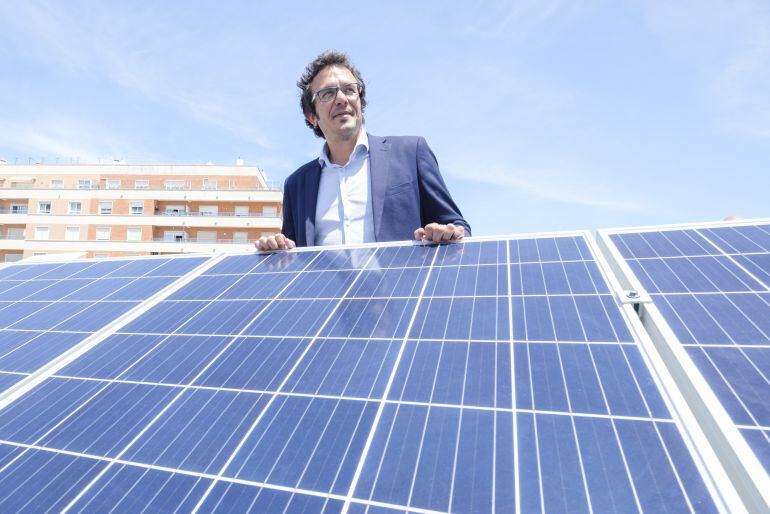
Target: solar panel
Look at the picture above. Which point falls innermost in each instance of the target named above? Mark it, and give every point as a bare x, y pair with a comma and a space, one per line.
48, 308
710, 289
476, 377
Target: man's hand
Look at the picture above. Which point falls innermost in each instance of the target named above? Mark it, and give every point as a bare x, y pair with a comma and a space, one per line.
439, 233
276, 242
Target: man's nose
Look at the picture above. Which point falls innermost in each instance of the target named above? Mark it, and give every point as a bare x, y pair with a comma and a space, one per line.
340, 97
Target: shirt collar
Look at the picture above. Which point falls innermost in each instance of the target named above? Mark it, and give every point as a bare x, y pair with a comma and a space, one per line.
361, 149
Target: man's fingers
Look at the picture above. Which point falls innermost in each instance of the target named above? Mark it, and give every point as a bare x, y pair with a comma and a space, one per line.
272, 244
419, 234
449, 232
290, 244
435, 232
459, 233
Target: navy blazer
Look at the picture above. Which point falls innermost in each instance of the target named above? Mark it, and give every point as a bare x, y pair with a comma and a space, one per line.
407, 192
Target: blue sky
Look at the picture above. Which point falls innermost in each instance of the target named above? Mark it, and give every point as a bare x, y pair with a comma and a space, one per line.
544, 115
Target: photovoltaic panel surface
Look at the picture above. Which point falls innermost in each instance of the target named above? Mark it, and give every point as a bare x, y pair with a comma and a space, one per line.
47, 308
476, 377
711, 285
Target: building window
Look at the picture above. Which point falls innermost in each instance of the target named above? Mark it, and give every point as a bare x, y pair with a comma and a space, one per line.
207, 236
13, 257
15, 233
209, 183
44, 207
142, 184
19, 208
208, 210
101, 255
41, 233
175, 184
134, 234
270, 211
102, 233
240, 237
75, 208
137, 208
84, 184
57, 184
113, 184
175, 235
266, 234
105, 207
241, 210
176, 210
72, 234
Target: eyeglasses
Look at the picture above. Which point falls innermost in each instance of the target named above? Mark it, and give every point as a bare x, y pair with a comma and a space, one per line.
327, 94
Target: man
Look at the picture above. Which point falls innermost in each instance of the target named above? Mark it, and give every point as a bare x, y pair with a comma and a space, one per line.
363, 188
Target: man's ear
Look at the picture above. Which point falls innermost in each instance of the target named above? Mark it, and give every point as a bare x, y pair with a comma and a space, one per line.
311, 118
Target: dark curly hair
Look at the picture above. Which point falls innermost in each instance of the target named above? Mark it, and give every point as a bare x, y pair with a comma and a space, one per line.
328, 58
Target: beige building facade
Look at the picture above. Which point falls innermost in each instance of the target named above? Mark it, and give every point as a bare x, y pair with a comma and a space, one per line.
101, 210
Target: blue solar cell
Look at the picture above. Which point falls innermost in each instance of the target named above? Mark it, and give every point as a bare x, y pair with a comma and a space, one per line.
454, 373
657, 488
99, 269
462, 318
205, 287
48, 315
388, 282
402, 256
93, 317
165, 317
30, 417
134, 489
55, 290
149, 358
227, 497
555, 278
263, 285
22, 290
253, 363
294, 318
370, 318
609, 486
345, 367
223, 317
341, 259
199, 431
736, 323
316, 284
561, 467
41, 481
317, 440
572, 249
27, 351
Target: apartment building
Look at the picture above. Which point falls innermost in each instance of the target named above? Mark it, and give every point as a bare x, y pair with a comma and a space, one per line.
100, 210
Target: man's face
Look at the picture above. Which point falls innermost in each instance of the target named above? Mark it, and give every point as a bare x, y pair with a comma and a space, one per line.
340, 119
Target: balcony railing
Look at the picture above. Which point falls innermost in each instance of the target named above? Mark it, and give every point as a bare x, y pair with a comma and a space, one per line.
15, 185
159, 213
200, 240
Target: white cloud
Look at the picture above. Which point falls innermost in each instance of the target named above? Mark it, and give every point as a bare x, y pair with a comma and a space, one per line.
67, 139
127, 47
551, 186
728, 43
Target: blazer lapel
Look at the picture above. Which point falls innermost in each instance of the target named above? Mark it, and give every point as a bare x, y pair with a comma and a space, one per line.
311, 200
379, 160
